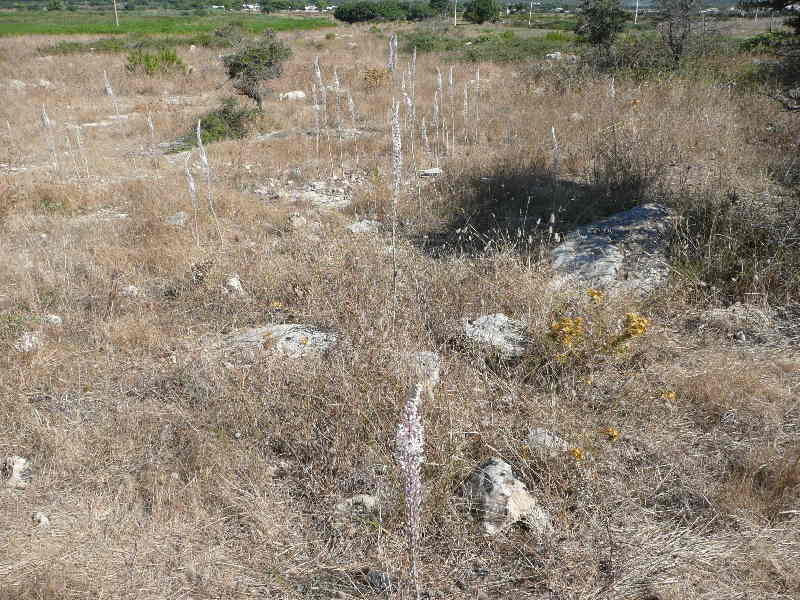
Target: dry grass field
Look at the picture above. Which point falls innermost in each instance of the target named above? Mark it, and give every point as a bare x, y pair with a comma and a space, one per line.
169, 471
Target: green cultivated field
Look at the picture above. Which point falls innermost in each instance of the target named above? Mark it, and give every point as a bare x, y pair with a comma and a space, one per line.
65, 23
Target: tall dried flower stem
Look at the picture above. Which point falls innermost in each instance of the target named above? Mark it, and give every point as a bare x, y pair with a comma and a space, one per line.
193, 195
397, 174
209, 191
51, 140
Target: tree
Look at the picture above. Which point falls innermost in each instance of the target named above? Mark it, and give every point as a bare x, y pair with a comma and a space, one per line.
439, 7
255, 62
55, 5
600, 21
480, 11
356, 12
675, 25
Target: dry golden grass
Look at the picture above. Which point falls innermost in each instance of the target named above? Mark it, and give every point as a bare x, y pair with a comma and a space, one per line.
167, 474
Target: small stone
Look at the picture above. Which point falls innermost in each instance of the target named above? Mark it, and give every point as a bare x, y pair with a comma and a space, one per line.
359, 506
433, 172
16, 472
295, 95
741, 337
178, 219
130, 291
40, 519
53, 320
379, 580
29, 341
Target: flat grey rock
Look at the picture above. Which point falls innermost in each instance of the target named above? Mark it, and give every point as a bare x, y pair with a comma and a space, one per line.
543, 439
497, 333
293, 340
178, 219
364, 226
626, 252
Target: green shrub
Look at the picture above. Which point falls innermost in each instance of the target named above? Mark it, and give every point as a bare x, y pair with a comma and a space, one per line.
330, 36
764, 42
228, 122
164, 61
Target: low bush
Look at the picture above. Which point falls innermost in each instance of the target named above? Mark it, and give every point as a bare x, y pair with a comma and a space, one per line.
163, 61
228, 122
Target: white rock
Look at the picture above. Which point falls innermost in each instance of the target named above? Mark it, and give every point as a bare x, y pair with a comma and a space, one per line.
28, 342
16, 84
130, 291
45, 83
364, 226
192, 48
500, 500
233, 285
40, 519
553, 56
295, 95
626, 251
178, 219
435, 171
16, 472
542, 439
289, 339
498, 333
53, 320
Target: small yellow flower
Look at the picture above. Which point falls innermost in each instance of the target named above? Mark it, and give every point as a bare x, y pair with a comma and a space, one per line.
612, 433
276, 304
578, 453
304, 340
635, 324
568, 330
595, 294
669, 395
586, 380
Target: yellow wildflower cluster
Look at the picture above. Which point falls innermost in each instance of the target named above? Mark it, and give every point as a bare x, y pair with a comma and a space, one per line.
568, 330
578, 453
669, 395
611, 433
635, 324
595, 294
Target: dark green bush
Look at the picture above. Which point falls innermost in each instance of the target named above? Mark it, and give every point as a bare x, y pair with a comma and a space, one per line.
228, 122
385, 10
480, 11
256, 62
